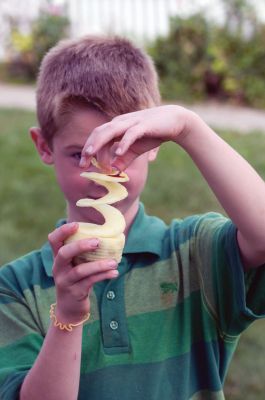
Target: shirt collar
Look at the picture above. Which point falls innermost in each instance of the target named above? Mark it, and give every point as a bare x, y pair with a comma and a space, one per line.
145, 236
47, 254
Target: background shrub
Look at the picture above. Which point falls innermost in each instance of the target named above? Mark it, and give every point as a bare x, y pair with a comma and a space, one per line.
198, 60
27, 50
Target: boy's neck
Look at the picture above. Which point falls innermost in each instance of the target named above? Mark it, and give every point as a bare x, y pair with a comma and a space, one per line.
130, 215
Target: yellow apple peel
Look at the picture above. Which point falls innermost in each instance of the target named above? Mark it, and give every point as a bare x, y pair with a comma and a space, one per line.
111, 232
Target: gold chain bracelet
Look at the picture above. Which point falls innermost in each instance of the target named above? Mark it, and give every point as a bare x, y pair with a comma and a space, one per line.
60, 325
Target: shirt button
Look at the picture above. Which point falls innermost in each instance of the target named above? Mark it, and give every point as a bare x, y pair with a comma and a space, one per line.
110, 295
114, 325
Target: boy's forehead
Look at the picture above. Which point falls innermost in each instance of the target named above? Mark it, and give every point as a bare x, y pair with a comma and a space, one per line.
88, 115
83, 122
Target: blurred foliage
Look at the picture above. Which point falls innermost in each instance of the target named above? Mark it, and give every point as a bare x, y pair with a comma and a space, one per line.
27, 49
199, 59
180, 57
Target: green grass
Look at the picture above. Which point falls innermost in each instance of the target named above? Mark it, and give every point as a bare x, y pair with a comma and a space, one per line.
29, 198
30, 203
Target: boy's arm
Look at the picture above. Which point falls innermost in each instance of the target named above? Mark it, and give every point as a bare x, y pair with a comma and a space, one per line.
56, 371
237, 186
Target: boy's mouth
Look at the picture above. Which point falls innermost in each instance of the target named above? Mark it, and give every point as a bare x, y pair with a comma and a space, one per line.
94, 197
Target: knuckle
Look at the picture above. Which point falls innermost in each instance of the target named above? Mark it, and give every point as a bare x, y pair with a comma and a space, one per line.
107, 264
59, 282
77, 273
112, 123
101, 264
61, 254
52, 239
82, 246
59, 233
98, 129
135, 130
62, 232
98, 277
64, 229
91, 281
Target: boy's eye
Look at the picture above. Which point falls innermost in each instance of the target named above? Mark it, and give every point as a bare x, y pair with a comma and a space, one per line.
77, 155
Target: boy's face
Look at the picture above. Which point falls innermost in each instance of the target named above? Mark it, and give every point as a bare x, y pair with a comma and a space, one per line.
65, 155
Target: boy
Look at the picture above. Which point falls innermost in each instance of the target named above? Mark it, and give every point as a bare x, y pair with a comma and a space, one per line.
141, 341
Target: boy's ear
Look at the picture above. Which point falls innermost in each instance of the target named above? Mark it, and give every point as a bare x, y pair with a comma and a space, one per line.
152, 154
42, 146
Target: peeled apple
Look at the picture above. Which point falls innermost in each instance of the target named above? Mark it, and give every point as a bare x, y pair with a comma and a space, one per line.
111, 233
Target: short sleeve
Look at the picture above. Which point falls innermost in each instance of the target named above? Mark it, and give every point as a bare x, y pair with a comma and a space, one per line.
20, 341
234, 298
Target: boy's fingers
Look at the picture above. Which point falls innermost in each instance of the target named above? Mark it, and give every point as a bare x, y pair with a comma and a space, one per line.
138, 140
137, 148
97, 139
121, 163
67, 252
104, 134
124, 117
81, 289
59, 235
86, 270
129, 138
105, 157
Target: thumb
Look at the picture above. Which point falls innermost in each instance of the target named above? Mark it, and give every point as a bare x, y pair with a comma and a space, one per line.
141, 146
122, 162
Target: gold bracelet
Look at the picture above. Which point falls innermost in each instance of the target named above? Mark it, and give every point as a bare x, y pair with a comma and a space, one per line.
60, 325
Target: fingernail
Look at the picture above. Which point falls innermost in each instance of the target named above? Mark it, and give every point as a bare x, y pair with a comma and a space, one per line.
118, 151
89, 150
112, 264
119, 165
73, 225
82, 162
115, 273
116, 170
94, 242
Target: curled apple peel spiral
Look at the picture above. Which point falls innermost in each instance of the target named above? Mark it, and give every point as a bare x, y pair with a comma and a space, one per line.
111, 233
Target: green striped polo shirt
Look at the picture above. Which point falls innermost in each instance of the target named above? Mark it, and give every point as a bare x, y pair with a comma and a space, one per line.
166, 328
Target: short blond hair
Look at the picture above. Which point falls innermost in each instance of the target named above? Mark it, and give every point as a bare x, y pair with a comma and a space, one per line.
108, 72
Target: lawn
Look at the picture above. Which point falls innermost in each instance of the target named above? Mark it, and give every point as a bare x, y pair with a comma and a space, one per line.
30, 203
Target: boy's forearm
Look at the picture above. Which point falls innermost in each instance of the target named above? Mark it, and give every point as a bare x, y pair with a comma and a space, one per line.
237, 186
55, 374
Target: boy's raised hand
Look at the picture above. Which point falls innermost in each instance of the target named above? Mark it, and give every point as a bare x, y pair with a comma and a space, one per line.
130, 135
73, 283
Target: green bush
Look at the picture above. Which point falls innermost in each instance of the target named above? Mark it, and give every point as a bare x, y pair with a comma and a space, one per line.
197, 59
180, 58
242, 58
26, 50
